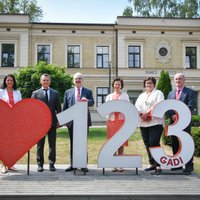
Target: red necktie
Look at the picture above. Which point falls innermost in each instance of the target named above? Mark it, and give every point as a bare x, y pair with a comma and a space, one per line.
178, 92
78, 97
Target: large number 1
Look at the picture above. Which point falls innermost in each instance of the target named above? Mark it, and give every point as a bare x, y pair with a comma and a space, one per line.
77, 113
106, 155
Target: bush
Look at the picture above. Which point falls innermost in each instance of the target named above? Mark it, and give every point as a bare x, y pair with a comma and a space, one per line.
28, 79
164, 83
196, 120
196, 137
195, 123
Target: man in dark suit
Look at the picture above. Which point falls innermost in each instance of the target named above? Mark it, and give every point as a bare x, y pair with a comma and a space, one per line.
187, 96
52, 99
72, 96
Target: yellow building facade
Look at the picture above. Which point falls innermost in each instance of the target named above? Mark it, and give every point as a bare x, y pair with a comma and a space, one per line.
132, 48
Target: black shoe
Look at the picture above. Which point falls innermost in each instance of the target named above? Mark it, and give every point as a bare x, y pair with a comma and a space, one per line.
175, 169
52, 168
70, 168
85, 169
40, 169
152, 167
188, 170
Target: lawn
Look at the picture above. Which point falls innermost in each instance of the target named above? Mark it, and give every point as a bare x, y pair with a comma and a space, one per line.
96, 139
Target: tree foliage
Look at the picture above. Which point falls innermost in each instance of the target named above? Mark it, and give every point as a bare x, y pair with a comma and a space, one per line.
28, 79
22, 7
128, 11
166, 8
164, 83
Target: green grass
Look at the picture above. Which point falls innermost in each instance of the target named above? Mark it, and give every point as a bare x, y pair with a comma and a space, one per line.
96, 139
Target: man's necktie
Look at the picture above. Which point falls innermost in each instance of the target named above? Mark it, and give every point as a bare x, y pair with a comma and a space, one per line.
178, 92
78, 98
46, 96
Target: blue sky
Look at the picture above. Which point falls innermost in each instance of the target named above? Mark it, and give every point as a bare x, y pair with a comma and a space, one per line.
82, 11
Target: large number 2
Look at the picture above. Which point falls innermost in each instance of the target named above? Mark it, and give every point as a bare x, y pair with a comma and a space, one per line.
186, 142
106, 155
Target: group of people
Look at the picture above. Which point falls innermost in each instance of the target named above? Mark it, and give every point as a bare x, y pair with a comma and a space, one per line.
151, 128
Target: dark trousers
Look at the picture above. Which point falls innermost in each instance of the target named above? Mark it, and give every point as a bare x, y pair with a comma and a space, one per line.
175, 146
151, 137
52, 147
70, 130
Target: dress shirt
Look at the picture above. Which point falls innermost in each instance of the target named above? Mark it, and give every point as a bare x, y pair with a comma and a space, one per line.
48, 92
145, 103
76, 92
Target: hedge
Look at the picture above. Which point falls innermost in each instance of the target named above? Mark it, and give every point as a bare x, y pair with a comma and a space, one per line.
195, 131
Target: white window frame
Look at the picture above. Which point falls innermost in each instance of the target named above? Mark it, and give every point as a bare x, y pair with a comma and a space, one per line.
66, 58
198, 53
37, 52
15, 54
141, 44
95, 55
97, 93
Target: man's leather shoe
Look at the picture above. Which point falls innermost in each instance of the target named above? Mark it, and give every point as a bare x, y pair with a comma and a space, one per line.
52, 168
152, 167
188, 170
40, 169
70, 168
178, 168
85, 169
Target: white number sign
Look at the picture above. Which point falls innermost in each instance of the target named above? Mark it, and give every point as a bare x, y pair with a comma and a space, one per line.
186, 142
78, 114
106, 155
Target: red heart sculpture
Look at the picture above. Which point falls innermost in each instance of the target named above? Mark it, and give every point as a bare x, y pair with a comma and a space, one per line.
21, 127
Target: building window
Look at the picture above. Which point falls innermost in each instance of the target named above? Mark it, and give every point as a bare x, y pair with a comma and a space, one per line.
7, 55
73, 56
102, 56
43, 53
102, 92
191, 57
134, 57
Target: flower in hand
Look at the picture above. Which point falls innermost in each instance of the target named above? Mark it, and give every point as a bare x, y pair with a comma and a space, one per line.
146, 116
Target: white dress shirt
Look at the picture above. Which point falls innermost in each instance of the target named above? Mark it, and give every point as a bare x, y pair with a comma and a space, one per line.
145, 102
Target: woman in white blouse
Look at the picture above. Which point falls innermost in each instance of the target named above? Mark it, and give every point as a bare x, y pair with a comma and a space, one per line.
116, 119
151, 128
11, 95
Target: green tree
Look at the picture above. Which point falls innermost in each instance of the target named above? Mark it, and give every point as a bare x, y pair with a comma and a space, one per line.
166, 8
128, 11
164, 83
22, 7
28, 79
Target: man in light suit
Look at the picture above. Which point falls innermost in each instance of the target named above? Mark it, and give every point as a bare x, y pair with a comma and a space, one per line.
187, 96
52, 99
72, 96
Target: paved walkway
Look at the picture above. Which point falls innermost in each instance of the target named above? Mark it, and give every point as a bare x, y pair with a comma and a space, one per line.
94, 183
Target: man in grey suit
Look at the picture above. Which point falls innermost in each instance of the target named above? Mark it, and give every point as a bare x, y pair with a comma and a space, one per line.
187, 96
72, 96
52, 99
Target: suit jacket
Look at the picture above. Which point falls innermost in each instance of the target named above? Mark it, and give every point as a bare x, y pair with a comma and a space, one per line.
187, 96
69, 100
53, 104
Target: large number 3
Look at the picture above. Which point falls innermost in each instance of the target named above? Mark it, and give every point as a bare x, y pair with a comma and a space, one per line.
186, 142
106, 155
